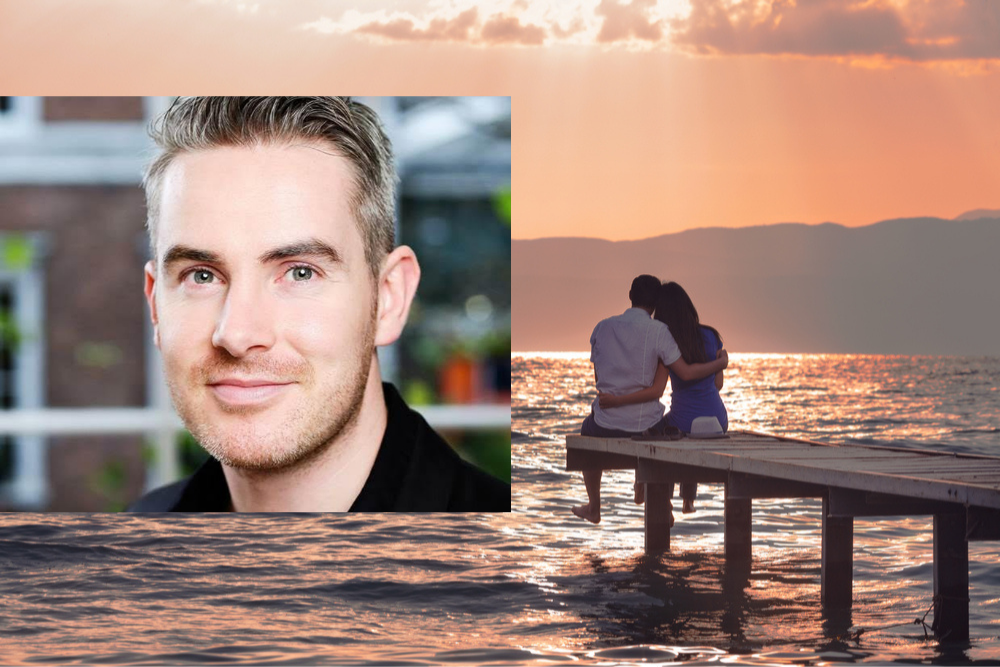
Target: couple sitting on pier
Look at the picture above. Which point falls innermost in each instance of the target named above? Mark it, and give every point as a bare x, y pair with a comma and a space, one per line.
633, 353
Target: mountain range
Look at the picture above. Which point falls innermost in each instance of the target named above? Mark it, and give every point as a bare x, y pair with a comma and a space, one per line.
903, 286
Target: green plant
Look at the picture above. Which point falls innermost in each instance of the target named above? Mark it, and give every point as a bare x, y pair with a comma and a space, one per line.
490, 450
109, 483
191, 453
497, 344
16, 252
418, 392
501, 203
10, 333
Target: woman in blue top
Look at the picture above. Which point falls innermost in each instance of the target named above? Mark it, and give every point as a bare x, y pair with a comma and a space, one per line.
689, 399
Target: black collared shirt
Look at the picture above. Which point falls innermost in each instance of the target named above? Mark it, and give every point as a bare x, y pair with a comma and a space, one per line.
415, 471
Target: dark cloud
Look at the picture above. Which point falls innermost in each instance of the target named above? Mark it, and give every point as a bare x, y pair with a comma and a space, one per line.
921, 30
628, 21
976, 29
501, 29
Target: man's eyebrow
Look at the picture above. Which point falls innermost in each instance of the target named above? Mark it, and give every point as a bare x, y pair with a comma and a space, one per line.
309, 248
183, 253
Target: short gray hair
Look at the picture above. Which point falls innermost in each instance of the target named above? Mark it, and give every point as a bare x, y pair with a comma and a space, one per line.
351, 128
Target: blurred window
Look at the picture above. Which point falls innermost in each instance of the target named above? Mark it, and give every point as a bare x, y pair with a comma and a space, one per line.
8, 342
456, 174
22, 457
19, 118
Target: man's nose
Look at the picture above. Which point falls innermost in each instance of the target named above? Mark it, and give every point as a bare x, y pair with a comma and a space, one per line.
246, 322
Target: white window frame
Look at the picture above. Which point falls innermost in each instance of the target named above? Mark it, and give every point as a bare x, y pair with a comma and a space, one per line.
22, 120
35, 152
28, 487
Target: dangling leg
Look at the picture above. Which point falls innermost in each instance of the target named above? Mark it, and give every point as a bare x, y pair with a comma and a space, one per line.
592, 510
640, 492
688, 492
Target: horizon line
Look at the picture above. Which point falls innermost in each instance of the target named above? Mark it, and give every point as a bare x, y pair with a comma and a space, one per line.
957, 218
574, 354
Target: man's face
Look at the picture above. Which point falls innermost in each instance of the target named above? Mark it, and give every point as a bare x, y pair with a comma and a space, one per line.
265, 307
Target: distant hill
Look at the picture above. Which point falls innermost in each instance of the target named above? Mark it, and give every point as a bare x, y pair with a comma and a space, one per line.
978, 213
906, 286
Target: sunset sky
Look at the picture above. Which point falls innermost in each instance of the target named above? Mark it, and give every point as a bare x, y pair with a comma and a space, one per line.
632, 118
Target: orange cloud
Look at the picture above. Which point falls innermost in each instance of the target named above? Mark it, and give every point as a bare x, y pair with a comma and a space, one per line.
454, 29
509, 22
865, 30
882, 33
626, 21
575, 27
465, 27
502, 29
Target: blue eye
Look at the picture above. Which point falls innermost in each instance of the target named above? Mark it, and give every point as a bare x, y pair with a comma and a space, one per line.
203, 277
301, 273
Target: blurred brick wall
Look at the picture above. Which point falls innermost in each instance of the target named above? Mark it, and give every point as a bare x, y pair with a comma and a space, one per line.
95, 473
92, 108
94, 328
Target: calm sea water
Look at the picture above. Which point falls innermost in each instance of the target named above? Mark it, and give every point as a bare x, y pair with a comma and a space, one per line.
681, 605
537, 586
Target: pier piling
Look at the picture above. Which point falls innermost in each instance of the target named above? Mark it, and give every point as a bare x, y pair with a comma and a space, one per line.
739, 531
658, 517
961, 491
837, 577
951, 577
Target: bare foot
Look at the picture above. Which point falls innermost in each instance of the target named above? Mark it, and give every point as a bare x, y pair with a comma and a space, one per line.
584, 512
688, 506
640, 493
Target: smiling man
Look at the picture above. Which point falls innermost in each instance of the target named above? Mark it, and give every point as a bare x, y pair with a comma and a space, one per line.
275, 276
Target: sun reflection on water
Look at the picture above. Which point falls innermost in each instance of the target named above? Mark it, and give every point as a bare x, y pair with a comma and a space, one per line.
685, 597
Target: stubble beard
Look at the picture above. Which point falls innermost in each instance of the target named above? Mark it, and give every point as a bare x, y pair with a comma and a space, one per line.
326, 416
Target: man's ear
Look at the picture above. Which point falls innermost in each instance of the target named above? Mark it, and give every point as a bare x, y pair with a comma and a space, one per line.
150, 290
396, 289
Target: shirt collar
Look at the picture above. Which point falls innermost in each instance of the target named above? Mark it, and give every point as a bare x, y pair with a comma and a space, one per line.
637, 312
395, 459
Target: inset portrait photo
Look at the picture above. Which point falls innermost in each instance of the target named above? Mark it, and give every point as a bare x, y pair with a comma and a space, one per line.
253, 304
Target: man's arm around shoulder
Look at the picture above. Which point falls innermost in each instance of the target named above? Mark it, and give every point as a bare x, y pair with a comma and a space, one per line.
689, 372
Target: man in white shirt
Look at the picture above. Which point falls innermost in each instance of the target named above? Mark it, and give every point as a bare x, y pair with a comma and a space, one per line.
625, 350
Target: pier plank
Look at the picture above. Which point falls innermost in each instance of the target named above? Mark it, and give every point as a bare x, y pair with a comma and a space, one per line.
928, 478
823, 456
962, 491
975, 479
751, 486
900, 467
845, 503
983, 524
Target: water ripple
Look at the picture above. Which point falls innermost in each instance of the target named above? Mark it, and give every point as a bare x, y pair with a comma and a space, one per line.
536, 586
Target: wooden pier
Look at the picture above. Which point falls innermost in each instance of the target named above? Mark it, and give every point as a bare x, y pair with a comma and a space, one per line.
961, 491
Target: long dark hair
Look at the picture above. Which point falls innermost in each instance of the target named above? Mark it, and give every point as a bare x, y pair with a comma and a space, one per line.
675, 309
